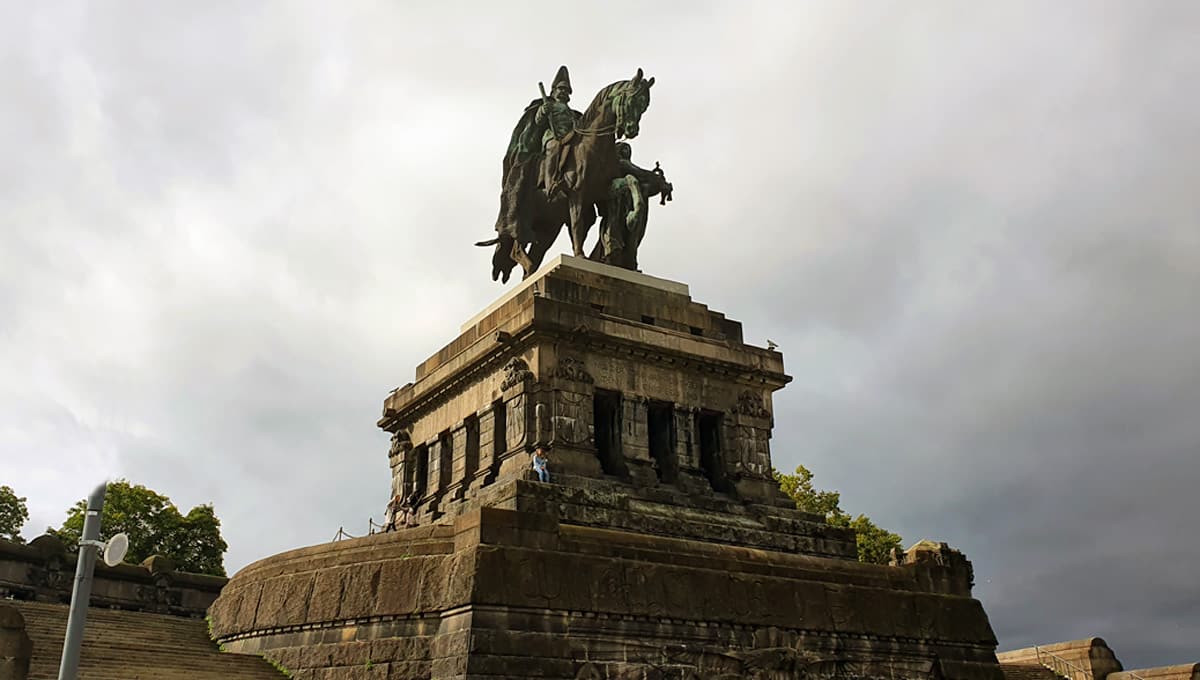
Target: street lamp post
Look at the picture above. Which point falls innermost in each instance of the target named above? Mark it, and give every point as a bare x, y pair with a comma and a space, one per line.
82, 592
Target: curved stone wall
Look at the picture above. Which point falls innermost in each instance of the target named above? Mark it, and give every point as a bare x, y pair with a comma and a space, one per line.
515, 594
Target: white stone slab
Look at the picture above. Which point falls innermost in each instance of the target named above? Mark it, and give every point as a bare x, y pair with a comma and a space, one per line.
582, 264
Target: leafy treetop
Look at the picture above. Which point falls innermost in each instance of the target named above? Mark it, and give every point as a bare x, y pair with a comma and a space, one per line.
875, 543
13, 514
155, 527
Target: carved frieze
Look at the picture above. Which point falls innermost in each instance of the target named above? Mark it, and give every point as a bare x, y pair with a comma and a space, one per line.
573, 369
751, 404
516, 371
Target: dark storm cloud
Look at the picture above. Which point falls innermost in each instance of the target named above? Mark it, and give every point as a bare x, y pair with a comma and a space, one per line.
972, 229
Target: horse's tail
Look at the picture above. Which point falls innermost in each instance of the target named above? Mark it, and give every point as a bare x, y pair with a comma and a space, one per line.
489, 242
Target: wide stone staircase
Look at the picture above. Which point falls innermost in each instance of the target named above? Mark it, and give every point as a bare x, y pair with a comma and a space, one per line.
1027, 671
124, 645
663, 511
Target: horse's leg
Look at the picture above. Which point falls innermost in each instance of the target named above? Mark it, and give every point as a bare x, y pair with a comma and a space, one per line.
502, 262
518, 254
583, 216
547, 233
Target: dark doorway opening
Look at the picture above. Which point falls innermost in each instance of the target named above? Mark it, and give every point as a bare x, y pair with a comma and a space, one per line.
499, 429
712, 458
606, 419
445, 460
421, 474
660, 423
471, 459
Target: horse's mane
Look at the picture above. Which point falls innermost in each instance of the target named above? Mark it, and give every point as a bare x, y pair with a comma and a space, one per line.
597, 104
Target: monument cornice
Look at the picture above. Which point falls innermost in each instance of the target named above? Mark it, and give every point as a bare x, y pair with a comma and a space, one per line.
532, 332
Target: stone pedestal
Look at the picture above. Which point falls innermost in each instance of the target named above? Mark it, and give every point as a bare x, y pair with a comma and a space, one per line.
519, 593
681, 400
661, 548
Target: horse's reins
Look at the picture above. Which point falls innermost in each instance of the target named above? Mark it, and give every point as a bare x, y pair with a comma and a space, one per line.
596, 131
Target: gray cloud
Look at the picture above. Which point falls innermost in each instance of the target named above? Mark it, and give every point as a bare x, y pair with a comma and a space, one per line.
229, 232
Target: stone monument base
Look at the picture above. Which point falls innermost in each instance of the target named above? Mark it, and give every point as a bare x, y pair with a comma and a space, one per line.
662, 546
504, 593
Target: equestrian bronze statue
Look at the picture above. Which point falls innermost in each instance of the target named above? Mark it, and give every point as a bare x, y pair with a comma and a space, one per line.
564, 167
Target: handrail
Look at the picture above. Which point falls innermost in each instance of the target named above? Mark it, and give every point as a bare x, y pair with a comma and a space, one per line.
1060, 666
1073, 672
371, 530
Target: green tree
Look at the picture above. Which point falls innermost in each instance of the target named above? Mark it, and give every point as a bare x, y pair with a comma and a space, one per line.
155, 527
13, 514
875, 543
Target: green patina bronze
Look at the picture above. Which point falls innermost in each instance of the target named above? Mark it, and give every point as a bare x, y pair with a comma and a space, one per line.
566, 167
624, 222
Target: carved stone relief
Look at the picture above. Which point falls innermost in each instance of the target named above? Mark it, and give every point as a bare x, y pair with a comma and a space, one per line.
572, 418
516, 371
750, 404
572, 369
401, 442
515, 422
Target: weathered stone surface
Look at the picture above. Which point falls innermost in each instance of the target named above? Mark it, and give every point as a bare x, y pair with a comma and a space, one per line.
44, 571
1090, 655
565, 338
1187, 671
16, 647
130, 645
513, 590
660, 548
1086, 659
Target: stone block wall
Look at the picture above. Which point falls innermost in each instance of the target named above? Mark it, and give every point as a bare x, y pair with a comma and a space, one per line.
1095, 661
16, 648
44, 570
1187, 671
509, 594
622, 375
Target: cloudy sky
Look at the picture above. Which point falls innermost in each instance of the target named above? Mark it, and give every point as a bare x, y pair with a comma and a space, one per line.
230, 228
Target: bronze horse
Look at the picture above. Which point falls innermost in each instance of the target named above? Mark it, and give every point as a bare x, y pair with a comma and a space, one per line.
589, 159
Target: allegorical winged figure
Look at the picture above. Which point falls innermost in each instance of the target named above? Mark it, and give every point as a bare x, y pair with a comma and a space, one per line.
559, 169
624, 219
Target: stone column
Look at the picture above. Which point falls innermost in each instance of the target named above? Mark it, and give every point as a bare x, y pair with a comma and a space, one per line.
433, 475
486, 472
687, 452
458, 463
749, 433
445, 464
432, 468
511, 459
514, 459
465, 457
401, 464
635, 441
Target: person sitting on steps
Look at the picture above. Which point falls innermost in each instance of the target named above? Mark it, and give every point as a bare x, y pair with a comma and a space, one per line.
541, 459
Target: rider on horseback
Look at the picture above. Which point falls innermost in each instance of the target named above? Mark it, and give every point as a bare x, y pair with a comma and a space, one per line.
559, 119
539, 134
558, 168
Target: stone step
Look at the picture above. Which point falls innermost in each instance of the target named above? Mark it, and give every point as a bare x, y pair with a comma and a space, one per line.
591, 505
1027, 671
123, 645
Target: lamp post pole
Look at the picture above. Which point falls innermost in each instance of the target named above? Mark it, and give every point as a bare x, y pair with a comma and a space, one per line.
82, 591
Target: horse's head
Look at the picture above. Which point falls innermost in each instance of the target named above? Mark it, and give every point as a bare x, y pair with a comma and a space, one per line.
630, 99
